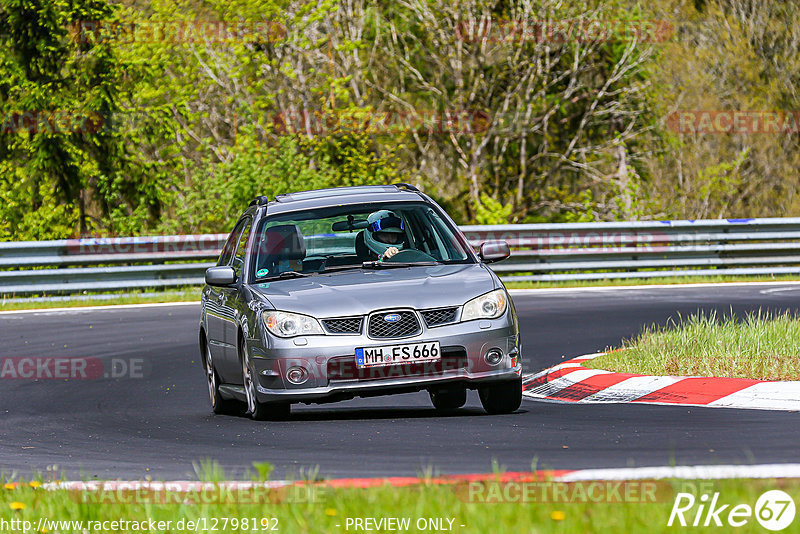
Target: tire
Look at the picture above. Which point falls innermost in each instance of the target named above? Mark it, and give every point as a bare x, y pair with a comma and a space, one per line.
219, 405
259, 411
448, 400
501, 398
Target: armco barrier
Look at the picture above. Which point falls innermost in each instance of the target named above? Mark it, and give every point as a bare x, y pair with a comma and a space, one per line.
540, 252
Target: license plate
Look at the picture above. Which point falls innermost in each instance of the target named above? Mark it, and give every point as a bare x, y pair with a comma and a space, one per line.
398, 354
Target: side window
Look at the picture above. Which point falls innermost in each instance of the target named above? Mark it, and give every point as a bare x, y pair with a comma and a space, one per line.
230, 246
241, 249
445, 240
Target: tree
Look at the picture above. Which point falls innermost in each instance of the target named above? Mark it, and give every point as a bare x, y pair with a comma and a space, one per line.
558, 100
60, 91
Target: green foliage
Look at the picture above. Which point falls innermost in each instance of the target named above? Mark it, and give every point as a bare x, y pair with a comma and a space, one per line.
61, 92
728, 55
178, 127
53, 220
491, 211
583, 210
721, 180
217, 193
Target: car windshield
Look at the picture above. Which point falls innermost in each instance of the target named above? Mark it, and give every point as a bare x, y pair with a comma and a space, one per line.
341, 237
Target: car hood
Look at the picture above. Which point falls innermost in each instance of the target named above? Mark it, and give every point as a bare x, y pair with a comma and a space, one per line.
362, 291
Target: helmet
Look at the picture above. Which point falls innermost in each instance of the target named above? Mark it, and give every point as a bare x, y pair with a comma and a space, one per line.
385, 230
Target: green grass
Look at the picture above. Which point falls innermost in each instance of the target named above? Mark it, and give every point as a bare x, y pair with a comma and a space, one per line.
324, 510
189, 294
669, 280
761, 346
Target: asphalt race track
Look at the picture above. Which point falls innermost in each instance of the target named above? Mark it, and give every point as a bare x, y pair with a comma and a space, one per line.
158, 422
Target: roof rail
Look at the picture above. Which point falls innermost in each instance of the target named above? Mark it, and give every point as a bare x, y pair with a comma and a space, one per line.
259, 201
403, 185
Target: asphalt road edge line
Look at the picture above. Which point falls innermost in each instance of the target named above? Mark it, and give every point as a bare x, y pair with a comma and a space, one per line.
687, 472
101, 307
533, 290
187, 486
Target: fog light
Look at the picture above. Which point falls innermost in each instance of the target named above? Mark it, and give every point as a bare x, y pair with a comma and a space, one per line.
297, 375
493, 357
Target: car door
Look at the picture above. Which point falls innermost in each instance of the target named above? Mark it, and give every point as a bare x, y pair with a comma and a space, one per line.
230, 302
215, 313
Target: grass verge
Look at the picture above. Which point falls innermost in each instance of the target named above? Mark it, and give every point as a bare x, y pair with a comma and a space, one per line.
668, 280
188, 294
540, 507
760, 346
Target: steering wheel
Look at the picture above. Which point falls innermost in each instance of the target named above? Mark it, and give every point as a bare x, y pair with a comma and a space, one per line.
410, 255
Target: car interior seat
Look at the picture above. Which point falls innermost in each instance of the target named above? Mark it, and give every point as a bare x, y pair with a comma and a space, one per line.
362, 250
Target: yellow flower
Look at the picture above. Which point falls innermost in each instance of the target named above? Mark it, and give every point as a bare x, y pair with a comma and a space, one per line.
557, 515
331, 512
17, 505
34, 484
9, 486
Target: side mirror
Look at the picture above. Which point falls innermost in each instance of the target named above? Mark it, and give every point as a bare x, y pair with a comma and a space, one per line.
492, 251
222, 276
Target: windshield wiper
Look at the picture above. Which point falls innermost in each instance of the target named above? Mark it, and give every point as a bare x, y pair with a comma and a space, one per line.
393, 264
283, 276
292, 274
337, 268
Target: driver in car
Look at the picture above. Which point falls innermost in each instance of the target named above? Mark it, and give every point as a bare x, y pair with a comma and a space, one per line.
385, 234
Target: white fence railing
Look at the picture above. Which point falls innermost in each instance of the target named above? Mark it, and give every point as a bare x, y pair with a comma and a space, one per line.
543, 252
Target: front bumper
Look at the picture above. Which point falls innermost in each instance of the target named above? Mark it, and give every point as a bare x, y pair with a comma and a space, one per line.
330, 363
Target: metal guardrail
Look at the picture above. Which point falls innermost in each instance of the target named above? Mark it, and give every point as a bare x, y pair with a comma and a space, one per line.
540, 252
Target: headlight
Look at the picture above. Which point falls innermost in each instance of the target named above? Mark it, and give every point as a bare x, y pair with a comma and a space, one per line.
285, 324
488, 306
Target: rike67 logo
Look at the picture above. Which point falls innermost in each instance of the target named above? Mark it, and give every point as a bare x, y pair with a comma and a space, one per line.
774, 510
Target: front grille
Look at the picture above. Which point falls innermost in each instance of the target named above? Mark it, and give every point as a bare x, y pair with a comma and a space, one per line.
440, 316
344, 367
348, 325
380, 328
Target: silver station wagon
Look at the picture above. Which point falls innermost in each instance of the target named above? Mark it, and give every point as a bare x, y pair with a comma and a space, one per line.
326, 295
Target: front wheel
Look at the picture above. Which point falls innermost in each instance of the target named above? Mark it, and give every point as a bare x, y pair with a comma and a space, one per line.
219, 405
503, 397
448, 400
260, 411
